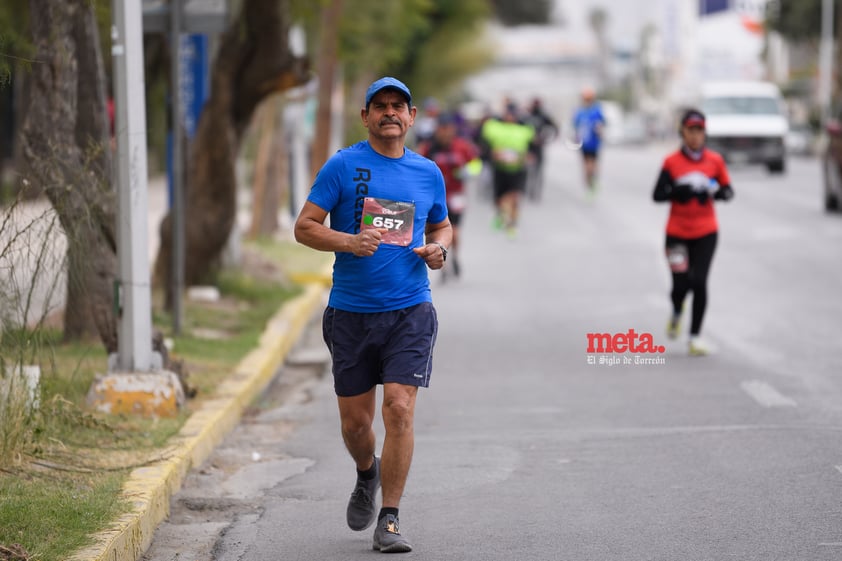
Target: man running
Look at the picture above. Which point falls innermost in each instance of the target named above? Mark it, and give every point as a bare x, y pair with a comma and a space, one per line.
508, 143
588, 122
546, 130
388, 224
452, 154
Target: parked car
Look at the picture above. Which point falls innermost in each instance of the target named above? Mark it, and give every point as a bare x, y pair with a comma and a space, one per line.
800, 140
746, 122
833, 165
635, 129
614, 117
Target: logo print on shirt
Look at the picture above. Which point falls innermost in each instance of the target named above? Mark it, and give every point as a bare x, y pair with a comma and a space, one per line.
361, 181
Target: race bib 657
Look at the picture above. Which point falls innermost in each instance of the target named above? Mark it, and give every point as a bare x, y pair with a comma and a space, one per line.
395, 216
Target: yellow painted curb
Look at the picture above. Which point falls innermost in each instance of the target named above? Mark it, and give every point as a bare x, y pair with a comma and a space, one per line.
323, 277
151, 487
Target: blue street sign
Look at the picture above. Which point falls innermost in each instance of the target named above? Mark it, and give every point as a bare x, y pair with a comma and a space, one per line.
712, 6
193, 85
193, 90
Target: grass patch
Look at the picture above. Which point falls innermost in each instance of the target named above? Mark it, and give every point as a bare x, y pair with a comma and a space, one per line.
300, 262
60, 511
7, 192
64, 482
217, 335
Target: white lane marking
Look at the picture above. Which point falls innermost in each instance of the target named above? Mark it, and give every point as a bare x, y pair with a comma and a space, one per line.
766, 395
831, 544
838, 468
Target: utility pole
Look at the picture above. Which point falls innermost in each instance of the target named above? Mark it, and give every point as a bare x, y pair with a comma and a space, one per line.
134, 352
826, 60
176, 18
178, 238
136, 382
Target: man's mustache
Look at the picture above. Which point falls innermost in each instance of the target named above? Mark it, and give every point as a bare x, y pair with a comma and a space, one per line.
389, 120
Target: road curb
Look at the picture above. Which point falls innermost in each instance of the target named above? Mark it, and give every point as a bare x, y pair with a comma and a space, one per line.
151, 487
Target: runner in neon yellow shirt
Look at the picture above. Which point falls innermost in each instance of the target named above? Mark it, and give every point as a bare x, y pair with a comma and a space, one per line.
508, 142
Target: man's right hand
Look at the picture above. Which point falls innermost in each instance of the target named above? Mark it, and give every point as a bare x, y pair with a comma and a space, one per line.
367, 241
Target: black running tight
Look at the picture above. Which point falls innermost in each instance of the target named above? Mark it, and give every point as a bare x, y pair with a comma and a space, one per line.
694, 279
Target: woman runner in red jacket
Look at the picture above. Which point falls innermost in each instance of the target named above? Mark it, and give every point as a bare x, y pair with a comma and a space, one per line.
691, 179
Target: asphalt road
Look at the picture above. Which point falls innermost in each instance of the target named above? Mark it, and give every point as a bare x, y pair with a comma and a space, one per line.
525, 450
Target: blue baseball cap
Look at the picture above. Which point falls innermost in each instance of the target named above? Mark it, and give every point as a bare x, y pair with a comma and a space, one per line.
386, 83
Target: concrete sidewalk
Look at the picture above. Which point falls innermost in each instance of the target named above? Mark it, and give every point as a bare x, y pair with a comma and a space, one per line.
150, 488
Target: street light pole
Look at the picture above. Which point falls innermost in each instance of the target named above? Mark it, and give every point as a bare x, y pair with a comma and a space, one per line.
134, 352
136, 382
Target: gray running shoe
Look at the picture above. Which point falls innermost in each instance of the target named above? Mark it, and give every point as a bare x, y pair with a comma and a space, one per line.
362, 507
387, 536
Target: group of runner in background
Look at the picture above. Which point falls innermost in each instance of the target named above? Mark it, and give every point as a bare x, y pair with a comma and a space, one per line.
508, 149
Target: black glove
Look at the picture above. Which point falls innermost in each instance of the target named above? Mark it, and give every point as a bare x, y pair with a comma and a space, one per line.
682, 193
702, 197
724, 193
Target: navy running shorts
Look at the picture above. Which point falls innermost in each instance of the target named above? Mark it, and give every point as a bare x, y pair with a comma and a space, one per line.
374, 348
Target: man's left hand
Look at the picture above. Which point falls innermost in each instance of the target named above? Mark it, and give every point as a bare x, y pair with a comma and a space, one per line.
432, 254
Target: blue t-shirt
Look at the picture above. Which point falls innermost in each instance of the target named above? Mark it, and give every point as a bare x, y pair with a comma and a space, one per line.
394, 277
585, 122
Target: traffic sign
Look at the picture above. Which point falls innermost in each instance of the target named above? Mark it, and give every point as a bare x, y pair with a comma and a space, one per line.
204, 17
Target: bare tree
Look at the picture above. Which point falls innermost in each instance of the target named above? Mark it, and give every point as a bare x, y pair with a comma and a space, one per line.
271, 169
65, 145
254, 60
329, 45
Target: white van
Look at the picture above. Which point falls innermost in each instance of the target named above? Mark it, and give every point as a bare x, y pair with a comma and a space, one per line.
746, 122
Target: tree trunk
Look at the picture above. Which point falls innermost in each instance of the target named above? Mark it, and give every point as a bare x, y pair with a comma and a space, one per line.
329, 42
6, 124
270, 171
253, 61
22, 86
65, 145
836, 75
